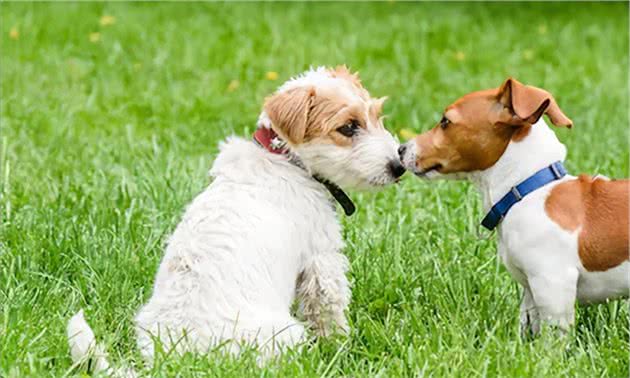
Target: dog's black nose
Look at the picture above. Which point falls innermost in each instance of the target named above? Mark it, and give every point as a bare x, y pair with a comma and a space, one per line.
401, 150
396, 169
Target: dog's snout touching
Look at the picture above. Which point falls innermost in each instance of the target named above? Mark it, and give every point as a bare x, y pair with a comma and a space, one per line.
396, 169
401, 151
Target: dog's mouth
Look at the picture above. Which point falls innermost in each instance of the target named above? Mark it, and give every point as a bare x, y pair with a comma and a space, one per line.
383, 180
423, 173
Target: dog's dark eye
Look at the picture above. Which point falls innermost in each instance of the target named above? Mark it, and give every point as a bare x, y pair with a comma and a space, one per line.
444, 122
349, 129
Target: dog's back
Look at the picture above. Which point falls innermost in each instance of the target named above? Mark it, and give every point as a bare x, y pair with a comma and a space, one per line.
598, 208
230, 267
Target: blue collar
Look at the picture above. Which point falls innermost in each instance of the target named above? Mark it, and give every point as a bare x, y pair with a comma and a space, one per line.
539, 179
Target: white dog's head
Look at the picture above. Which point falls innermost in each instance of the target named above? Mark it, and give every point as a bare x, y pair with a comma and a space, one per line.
330, 121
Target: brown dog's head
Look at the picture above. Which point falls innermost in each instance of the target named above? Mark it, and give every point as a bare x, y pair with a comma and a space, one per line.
475, 130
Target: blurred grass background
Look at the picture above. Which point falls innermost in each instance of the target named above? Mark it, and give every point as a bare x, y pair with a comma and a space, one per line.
110, 115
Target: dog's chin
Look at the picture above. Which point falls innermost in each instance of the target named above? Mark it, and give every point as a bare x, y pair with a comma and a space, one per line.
378, 182
430, 173
435, 174
370, 183
361, 175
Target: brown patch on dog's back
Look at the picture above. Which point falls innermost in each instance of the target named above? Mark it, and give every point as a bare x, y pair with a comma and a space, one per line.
600, 208
565, 205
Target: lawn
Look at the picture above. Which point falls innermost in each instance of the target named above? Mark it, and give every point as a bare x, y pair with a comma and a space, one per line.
110, 119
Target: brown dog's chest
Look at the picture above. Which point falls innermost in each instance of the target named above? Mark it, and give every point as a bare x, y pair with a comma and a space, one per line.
599, 208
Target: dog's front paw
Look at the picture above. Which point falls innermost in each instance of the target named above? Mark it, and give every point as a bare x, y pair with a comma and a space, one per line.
342, 327
331, 327
529, 325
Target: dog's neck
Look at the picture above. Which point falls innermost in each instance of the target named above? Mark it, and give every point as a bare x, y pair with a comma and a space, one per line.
267, 138
520, 160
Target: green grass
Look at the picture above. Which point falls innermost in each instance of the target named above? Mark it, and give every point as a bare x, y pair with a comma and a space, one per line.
104, 143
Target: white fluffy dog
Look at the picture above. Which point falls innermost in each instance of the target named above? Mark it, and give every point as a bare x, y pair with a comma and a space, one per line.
265, 232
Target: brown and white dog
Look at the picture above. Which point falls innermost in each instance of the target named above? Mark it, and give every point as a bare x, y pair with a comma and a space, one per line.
568, 238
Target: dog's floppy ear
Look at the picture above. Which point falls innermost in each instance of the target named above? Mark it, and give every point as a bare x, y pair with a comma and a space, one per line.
288, 112
530, 103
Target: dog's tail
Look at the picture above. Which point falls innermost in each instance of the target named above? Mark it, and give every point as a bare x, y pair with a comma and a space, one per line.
86, 351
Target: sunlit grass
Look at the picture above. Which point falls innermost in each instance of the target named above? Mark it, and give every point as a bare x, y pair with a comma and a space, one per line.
111, 115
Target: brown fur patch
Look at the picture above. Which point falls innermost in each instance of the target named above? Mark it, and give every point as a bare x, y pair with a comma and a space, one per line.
600, 209
475, 138
323, 117
521, 133
530, 103
331, 109
289, 112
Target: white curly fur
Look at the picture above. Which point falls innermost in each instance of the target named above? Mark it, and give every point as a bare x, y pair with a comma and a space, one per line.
263, 234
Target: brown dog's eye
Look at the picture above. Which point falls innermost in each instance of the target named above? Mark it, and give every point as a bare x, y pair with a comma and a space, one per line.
444, 122
349, 129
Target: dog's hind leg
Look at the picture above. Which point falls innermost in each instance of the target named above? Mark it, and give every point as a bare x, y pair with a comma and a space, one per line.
554, 294
324, 293
279, 333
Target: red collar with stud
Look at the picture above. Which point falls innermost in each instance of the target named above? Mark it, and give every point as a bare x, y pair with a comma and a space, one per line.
269, 140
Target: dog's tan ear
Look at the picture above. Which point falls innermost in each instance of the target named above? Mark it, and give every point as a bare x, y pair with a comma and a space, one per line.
530, 103
288, 112
376, 106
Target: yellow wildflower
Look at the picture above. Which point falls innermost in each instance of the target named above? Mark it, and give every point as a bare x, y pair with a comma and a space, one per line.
234, 84
407, 134
107, 20
528, 54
